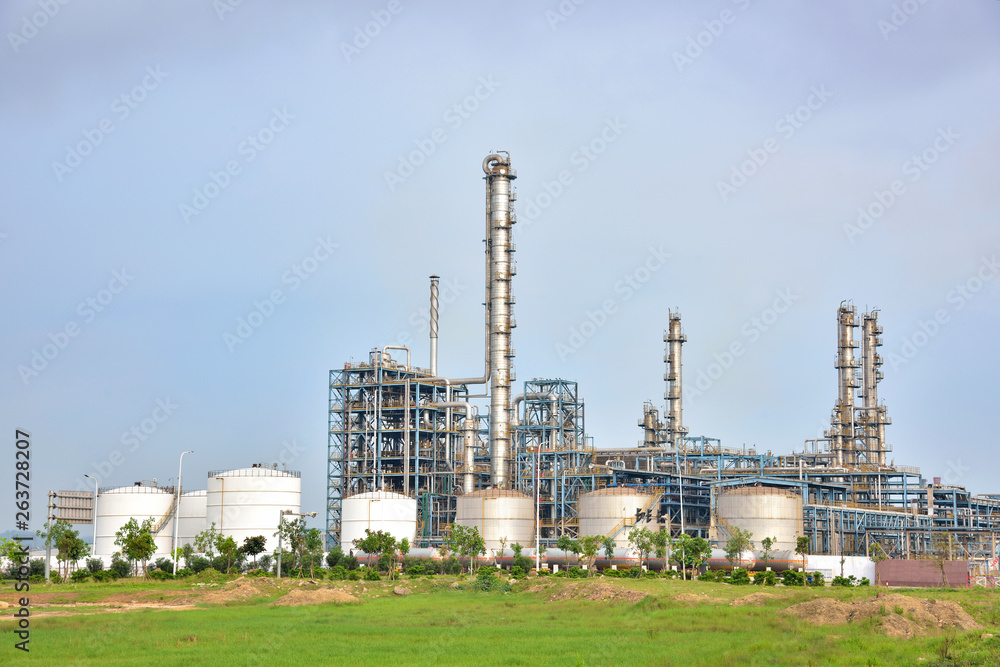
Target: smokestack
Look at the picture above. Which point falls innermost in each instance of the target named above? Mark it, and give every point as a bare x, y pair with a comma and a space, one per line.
842, 423
675, 409
499, 197
871, 375
434, 325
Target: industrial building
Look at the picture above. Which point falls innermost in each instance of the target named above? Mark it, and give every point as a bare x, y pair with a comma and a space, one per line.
414, 452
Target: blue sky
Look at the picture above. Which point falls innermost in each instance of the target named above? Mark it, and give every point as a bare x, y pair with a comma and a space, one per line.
182, 166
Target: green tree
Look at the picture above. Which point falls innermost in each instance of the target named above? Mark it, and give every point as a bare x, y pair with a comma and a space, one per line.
589, 546
51, 533
227, 549
187, 551
641, 539
206, 540
293, 533
467, 543
72, 548
738, 542
253, 546
802, 549
609, 548
379, 544
877, 554
569, 545
314, 549
661, 540
136, 542
767, 548
689, 552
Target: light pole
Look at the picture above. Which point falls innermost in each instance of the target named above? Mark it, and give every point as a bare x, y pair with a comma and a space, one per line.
96, 487
281, 515
177, 507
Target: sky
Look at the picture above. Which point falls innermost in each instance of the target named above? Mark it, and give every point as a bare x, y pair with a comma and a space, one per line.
208, 205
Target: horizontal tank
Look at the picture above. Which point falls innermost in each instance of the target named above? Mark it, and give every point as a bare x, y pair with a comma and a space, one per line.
604, 511
499, 514
116, 506
191, 516
764, 511
389, 512
247, 502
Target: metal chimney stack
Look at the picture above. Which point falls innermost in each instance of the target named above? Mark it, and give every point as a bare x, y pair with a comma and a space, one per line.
874, 414
842, 420
674, 339
500, 267
434, 325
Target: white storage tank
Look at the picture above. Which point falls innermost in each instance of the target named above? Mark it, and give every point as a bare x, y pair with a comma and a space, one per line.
498, 513
116, 506
191, 516
389, 512
764, 511
247, 502
604, 510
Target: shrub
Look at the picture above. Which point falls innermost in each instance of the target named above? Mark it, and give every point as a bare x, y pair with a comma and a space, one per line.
576, 573
544, 572
864, 582
161, 575
55, 577
265, 562
334, 558
36, 578
354, 575
766, 578
36, 566
371, 574
95, 564
164, 564
671, 574
184, 572
80, 576
707, 575
199, 563
792, 578
488, 582
253, 573
635, 572
413, 570
560, 573
120, 566
739, 577
517, 572
338, 573
523, 562
104, 575
816, 579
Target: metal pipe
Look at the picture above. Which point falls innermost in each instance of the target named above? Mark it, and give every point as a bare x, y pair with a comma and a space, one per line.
499, 176
177, 509
406, 437
531, 396
468, 426
396, 347
434, 324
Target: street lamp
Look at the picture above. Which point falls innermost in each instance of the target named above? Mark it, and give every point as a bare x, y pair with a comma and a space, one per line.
96, 487
281, 515
177, 507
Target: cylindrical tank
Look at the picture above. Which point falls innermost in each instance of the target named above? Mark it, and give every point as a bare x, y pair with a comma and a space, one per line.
389, 512
191, 516
247, 502
604, 510
116, 506
498, 513
763, 511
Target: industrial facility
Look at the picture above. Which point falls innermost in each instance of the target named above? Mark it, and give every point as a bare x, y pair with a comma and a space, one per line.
413, 452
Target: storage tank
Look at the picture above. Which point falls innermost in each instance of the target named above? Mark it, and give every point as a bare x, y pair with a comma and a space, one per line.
247, 502
116, 506
764, 511
389, 512
603, 511
498, 513
191, 516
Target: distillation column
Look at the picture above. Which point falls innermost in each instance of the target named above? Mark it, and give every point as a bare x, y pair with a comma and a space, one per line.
499, 198
874, 415
674, 339
842, 420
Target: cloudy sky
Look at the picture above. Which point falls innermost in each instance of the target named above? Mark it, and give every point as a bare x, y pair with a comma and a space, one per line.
208, 205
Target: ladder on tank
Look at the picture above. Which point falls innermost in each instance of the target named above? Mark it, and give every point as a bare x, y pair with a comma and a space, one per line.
631, 521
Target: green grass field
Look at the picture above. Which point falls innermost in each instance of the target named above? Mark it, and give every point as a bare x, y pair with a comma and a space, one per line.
443, 626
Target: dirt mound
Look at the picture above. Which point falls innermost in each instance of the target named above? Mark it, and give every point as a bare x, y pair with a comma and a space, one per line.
896, 615
596, 592
297, 597
753, 600
240, 590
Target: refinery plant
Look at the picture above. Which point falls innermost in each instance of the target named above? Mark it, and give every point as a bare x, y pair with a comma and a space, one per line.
413, 452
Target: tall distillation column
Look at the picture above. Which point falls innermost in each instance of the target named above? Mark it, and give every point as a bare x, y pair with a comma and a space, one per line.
842, 419
873, 414
499, 198
675, 411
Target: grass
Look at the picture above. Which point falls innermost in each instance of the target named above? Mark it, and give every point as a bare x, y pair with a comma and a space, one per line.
438, 625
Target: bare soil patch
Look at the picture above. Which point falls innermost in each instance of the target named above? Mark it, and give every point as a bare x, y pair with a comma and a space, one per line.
692, 598
753, 600
596, 592
895, 615
298, 597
